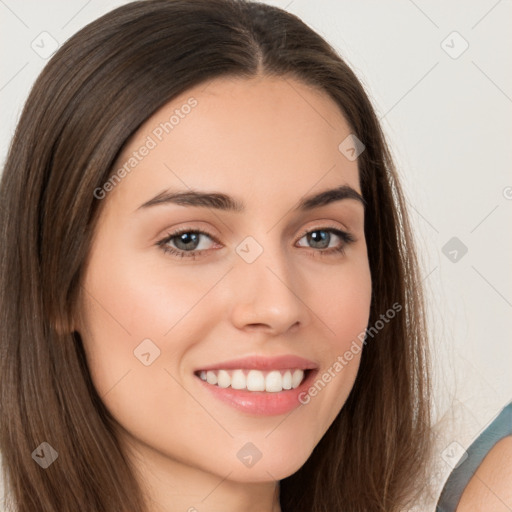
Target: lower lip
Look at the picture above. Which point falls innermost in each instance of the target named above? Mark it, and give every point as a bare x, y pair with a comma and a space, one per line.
261, 403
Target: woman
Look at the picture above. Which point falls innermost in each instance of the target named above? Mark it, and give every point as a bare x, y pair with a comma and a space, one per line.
482, 476
210, 295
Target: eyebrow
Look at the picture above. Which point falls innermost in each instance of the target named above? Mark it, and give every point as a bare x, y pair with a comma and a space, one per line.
220, 201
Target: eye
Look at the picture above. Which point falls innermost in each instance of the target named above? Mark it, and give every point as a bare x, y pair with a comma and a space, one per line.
186, 241
319, 240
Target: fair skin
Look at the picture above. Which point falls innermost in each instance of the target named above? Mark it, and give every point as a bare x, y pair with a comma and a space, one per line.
267, 144
490, 488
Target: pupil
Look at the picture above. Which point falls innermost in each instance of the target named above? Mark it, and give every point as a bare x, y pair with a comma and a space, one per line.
192, 239
323, 237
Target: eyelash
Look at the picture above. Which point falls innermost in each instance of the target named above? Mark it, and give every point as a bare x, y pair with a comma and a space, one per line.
346, 237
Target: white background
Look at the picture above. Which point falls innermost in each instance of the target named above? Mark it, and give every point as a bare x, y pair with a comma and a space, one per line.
449, 123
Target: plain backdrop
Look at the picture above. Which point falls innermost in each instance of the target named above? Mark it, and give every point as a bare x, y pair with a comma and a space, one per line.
440, 77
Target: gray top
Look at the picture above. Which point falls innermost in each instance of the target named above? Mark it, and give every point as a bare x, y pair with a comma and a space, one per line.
457, 481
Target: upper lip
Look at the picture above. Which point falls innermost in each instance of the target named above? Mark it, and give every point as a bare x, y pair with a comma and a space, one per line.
283, 362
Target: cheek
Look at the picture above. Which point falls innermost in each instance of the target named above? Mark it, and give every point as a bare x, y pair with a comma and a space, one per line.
131, 300
133, 363
128, 310
344, 309
347, 307
342, 303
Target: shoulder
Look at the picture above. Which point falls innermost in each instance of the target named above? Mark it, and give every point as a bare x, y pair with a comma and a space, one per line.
490, 488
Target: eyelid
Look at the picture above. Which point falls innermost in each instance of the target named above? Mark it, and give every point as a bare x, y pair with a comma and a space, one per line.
180, 231
326, 227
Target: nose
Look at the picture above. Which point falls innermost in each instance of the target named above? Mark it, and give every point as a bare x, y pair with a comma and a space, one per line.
267, 295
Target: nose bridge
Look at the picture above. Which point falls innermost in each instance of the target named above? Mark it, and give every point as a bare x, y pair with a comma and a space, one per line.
267, 286
260, 258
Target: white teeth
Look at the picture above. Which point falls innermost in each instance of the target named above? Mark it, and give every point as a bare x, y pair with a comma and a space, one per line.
223, 379
297, 378
274, 382
254, 380
211, 377
287, 380
238, 380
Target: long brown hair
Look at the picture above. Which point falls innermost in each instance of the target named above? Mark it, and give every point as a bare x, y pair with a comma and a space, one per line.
93, 94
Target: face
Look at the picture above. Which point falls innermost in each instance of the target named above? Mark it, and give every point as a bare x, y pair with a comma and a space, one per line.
222, 340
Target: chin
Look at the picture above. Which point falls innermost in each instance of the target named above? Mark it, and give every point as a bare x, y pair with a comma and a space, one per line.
269, 469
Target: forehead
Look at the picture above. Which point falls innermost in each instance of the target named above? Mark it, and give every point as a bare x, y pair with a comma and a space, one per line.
271, 135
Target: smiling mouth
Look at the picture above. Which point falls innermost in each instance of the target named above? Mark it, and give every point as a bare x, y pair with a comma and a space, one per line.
273, 381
